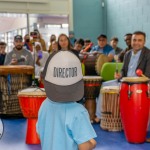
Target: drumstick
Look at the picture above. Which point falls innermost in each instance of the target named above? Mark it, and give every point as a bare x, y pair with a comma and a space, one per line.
117, 68
139, 72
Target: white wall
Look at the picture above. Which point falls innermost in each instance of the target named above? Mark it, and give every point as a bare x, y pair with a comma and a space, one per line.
51, 7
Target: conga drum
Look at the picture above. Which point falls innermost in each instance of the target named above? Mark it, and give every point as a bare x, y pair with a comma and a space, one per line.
110, 111
12, 79
134, 107
30, 100
91, 91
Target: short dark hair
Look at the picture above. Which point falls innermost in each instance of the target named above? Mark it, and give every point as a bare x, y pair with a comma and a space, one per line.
140, 33
3, 43
87, 41
80, 41
114, 39
128, 34
102, 36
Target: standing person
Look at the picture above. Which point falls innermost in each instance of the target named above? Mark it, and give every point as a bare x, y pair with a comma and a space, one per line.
38, 38
2, 52
60, 118
136, 58
103, 47
19, 55
27, 43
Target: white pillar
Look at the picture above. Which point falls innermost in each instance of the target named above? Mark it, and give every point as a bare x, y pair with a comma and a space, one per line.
71, 28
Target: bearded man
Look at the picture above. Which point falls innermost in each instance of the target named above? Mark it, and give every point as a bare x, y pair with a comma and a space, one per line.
19, 55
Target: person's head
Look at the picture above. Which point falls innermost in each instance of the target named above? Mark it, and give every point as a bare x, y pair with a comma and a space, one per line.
63, 79
102, 40
64, 42
35, 34
79, 44
2, 47
114, 42
27, 38
38, 46
71, 34
138, 40
18, 42
54, 46
127, 39
87, 42
52, 38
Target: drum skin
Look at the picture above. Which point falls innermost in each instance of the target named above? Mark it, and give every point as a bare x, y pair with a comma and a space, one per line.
134, 107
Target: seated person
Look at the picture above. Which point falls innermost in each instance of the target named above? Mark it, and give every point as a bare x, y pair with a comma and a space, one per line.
103, 47
19, 55
79, 45
118, 50
136, 58
2, 52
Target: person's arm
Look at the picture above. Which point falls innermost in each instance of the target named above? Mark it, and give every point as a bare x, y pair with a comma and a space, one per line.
89, 145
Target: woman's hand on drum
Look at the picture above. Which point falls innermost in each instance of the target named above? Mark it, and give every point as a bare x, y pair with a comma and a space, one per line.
117, 75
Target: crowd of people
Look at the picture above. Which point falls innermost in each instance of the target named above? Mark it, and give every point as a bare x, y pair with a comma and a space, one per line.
34, 52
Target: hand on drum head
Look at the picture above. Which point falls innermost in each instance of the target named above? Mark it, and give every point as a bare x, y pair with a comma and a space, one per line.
14, 61
95, 53
117, 75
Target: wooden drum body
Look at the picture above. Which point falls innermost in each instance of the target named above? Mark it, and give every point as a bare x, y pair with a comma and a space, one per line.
134, 107
91, 91
93, 63
12, 79
110, 118
30, 100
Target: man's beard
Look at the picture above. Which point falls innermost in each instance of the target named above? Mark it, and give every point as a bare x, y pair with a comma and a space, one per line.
19, 47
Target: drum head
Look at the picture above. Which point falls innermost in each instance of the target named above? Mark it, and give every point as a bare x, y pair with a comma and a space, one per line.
99, 63
92, 78
110, 89
135, 79
16, 69
32, 92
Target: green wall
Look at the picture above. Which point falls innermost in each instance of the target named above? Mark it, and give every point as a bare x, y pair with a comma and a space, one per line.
87, 18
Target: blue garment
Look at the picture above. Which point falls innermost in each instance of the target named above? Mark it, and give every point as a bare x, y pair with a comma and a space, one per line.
133, 64
105, 50
2, 59
62, 126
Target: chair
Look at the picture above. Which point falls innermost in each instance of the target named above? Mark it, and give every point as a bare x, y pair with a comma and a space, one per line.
108, 70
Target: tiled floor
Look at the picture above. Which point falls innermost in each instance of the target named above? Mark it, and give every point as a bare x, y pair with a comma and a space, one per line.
15, 130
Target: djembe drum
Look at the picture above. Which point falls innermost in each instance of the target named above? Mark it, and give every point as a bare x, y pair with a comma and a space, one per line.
12, 79
30, 100
110, 109
89, 62
134, 107
91, 91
